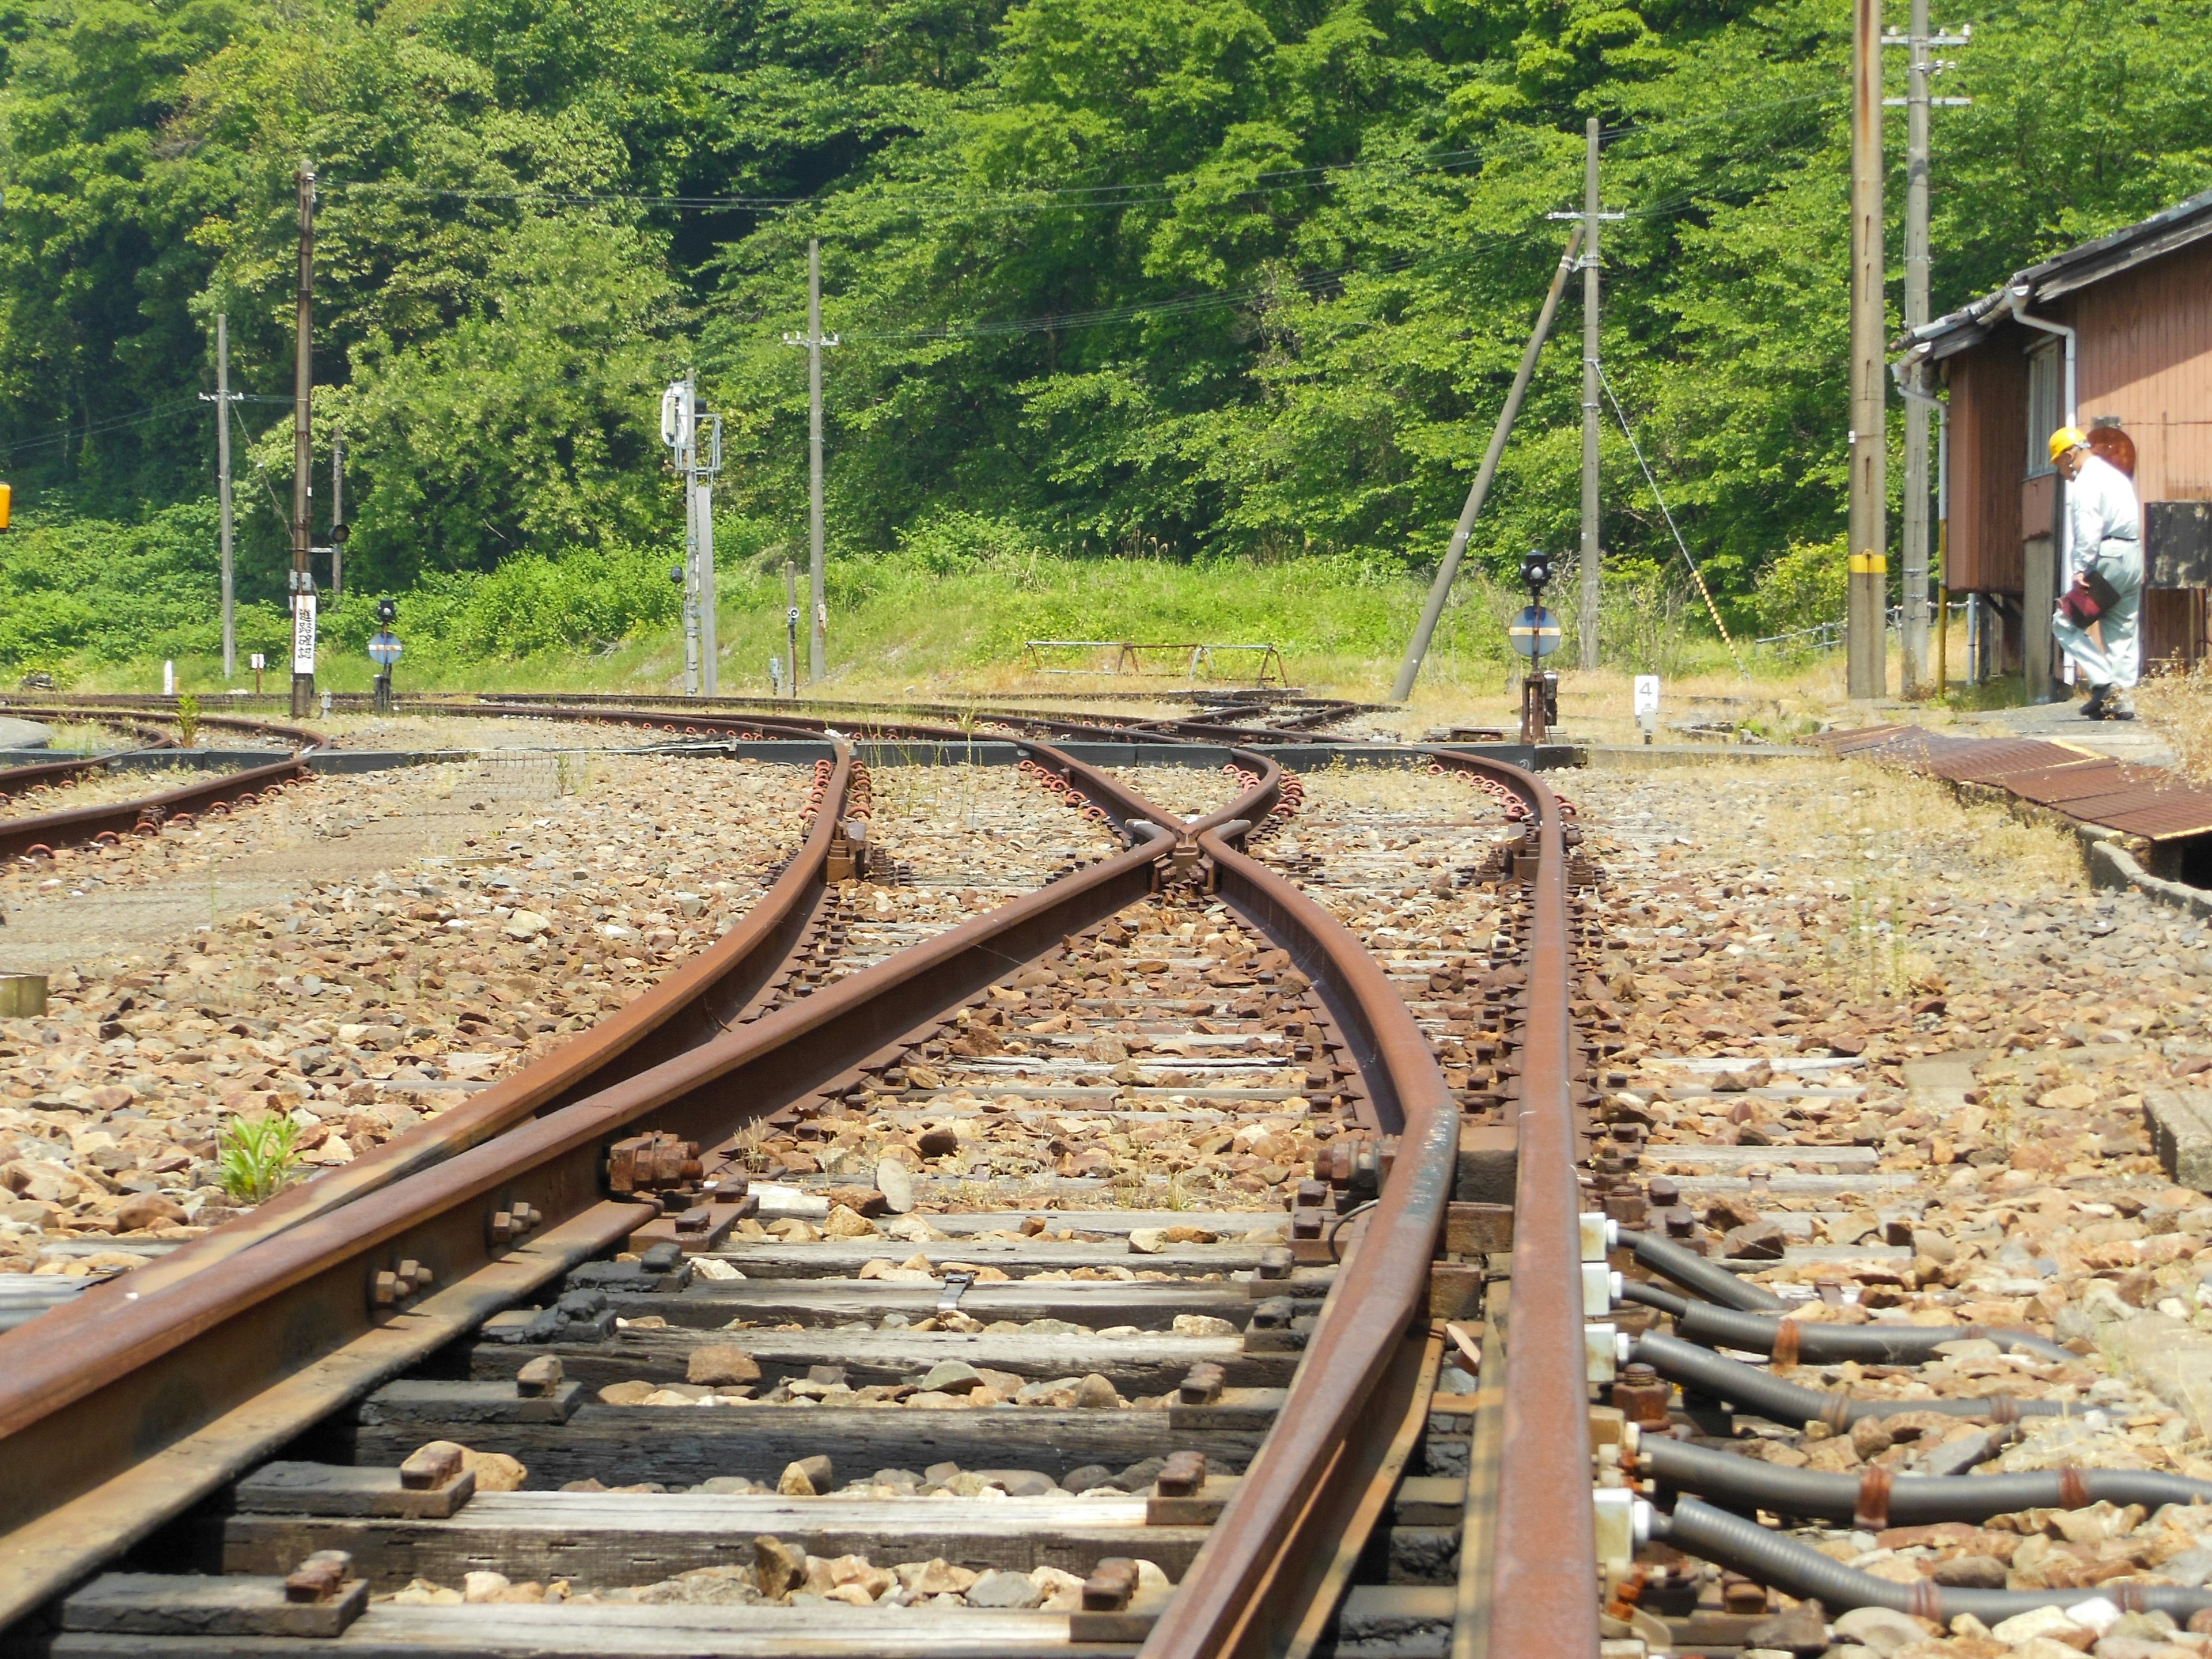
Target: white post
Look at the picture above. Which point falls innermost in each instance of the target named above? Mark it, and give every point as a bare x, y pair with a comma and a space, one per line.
222, 492
817, 650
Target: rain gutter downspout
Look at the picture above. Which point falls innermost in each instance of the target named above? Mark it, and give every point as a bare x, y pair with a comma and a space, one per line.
2017, 297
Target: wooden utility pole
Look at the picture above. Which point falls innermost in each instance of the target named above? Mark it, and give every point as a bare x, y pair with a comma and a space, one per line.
1867, 668
1586, 610
303, 458
1915, 675
223, 493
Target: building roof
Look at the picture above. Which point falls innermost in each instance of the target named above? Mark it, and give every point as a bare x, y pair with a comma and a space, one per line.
2177, 227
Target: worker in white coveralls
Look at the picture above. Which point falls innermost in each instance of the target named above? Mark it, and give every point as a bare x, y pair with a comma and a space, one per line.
2105, 554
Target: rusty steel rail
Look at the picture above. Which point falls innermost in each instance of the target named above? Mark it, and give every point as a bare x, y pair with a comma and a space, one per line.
149, 1403
1250, 1593
22, 780
690, 1006
49, 831
112, 1428
1543, 1599
115, 714
1006, 728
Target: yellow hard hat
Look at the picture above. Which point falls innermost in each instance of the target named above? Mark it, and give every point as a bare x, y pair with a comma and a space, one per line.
2066, 438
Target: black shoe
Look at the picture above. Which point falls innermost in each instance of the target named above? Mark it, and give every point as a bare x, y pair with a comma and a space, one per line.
2094, 709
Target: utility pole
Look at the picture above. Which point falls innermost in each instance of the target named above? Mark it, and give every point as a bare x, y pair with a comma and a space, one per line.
815, 341
1586, 612
1866, 656
696, 442
339, 532
303, 458
699, 492
223, 403
1916, 103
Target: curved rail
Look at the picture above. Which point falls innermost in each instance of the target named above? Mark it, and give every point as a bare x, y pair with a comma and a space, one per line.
166, 1387
153, 1403
1241, 1596
22, 779
48, 832
690, 1006
299, 737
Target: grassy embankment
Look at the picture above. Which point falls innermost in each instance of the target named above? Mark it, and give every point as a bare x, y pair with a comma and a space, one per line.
102, 607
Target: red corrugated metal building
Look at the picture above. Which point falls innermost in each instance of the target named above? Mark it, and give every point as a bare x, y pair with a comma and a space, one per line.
2139, 306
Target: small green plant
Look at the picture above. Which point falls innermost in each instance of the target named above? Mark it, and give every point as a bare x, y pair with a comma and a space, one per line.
188, 718
258, 1156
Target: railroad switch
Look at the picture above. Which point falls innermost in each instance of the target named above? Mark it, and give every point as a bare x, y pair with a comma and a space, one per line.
847, 858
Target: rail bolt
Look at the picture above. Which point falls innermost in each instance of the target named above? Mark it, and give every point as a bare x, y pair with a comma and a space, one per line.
429, 1468
1739, 1595
1112, 1583
319, 1577
1182, 1475
502, 1227
384, 1289
540, 1378
1204, 1384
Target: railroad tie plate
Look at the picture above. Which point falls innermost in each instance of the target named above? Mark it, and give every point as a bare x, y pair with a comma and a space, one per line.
177, 1604
336, 1489
413, 1400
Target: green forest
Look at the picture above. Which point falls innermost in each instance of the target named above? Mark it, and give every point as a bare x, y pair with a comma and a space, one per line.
1222, 283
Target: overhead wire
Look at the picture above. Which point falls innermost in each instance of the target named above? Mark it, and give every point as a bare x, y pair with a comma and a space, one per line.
112, 423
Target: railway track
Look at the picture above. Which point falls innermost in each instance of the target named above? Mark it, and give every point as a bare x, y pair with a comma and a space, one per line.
399, 1266
1242, 1243
33, 835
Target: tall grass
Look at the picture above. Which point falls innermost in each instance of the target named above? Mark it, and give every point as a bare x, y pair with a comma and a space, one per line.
953, 606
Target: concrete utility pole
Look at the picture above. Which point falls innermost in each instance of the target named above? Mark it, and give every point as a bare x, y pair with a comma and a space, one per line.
705, 460
337, 510
303, 458
1440, 590
222, 402
695, 443
1915, 104
816, 342
1867, 662
1586, 610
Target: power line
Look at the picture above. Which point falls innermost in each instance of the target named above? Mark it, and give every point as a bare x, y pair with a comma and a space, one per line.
111, 424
